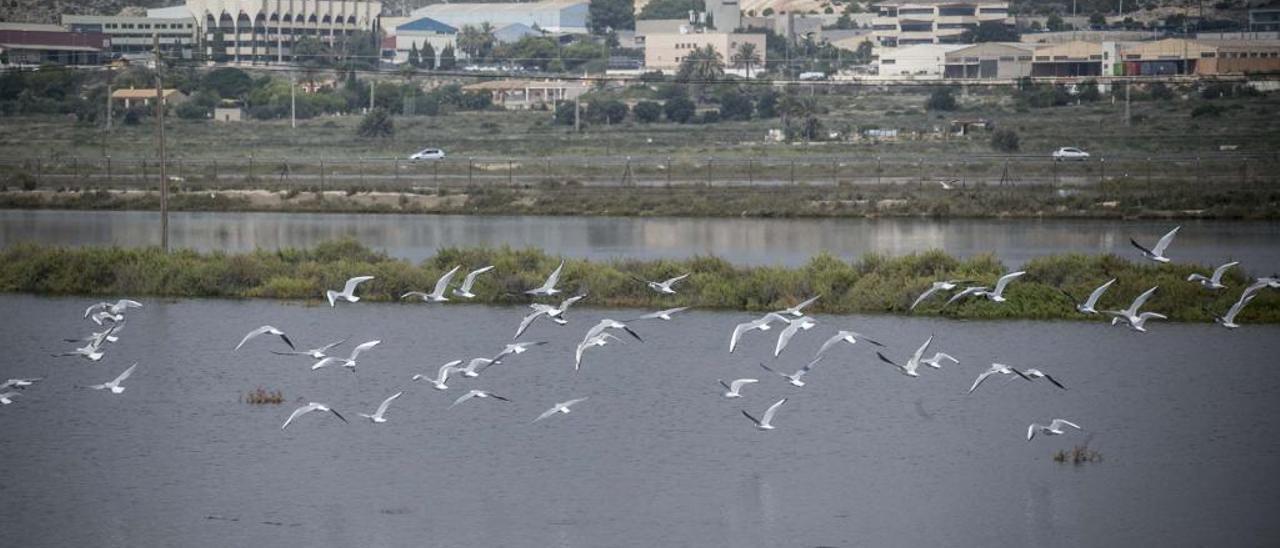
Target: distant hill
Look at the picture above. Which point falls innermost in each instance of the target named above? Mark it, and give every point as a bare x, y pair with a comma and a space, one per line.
51, 11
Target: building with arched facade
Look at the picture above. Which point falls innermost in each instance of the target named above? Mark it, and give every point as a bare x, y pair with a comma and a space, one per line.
263, 31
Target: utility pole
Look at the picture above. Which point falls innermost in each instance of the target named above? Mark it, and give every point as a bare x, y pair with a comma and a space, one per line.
109, 105
373, 86
1127, 85
293, 101
577, 110
164, 179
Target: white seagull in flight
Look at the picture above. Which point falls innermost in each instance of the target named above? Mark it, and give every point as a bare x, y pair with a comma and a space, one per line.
562, 407
470, 280
555, 313
313, 406
599, 339
548, 288
517, 348
315, 353
1228, 320
794, 378
114, 385
1214, 281
115, 309
995, 369
945, 285
1089, 305
1032, 374
20, 384
784, 337
850, 337
766, 423
264, 330
106, 316
909, 369
936, 361
1054, 428
735, 388
473, 369
1131, 316
91, 351
664, 287
7, 397
348, 292
663, 314
761, 324
798, 310
477, 394
1157, 253
441, 376
348, 362
437, 294
377, 416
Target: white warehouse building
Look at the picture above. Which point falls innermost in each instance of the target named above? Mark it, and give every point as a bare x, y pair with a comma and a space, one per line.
263, 31
568, 16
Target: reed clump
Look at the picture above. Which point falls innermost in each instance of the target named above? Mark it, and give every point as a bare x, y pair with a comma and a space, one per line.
875, 284
1077, 455
262, 396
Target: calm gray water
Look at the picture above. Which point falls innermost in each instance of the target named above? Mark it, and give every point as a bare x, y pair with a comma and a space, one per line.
742, 241
862, 456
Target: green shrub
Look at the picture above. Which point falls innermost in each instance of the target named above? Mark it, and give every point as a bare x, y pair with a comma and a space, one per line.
871, 284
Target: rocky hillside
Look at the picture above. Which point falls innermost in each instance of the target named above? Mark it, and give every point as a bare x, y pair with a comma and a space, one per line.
51, 11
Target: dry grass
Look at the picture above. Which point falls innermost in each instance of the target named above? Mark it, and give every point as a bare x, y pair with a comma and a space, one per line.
262, 396
1077, 455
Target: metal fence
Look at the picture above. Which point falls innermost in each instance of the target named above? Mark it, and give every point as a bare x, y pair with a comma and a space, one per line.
1225, 170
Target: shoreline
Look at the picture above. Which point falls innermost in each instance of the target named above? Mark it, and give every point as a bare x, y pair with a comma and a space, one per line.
1167, 202
871, 284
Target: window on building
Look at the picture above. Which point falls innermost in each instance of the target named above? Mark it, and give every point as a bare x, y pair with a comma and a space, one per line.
886, 61
956, 11
1024, 57
1207, 55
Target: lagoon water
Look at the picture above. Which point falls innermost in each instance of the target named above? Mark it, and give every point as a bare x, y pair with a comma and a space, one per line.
862, 456
742, 241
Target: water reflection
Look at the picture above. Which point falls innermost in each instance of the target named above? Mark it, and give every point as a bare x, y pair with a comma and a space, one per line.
744, 241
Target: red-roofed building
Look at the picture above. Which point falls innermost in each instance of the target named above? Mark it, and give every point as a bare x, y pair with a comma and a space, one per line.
35, 47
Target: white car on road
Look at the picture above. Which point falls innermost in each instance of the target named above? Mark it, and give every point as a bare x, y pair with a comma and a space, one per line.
428, 154
1070, 153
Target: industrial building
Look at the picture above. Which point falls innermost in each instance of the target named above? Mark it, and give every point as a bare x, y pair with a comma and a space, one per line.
665, 51
922, 61
549, 15
913, 22
1070, 59
1204, 57
990, 60
420, 32
263, 31
40, 44
133, 35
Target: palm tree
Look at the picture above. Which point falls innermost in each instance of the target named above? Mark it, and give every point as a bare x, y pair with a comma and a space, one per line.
701, 65
476, 42
793, 107
746, 57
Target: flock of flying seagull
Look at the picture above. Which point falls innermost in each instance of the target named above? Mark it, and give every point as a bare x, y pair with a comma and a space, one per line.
112, 317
